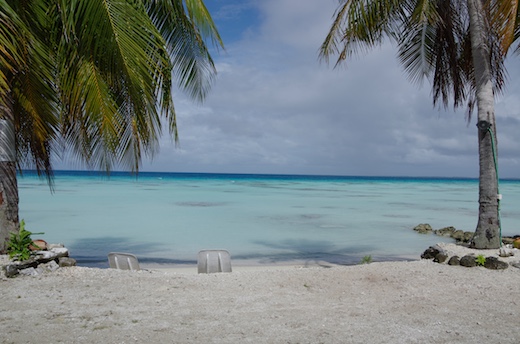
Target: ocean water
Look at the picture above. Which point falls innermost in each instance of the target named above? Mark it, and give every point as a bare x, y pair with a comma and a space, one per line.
266, 219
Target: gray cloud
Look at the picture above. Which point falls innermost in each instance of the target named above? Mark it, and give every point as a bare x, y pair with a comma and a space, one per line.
276, 109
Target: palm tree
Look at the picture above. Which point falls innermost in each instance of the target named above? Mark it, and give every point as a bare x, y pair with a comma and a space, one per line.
92, 81
460, 46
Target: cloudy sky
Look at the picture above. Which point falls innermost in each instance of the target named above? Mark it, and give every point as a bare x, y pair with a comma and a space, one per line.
275, 108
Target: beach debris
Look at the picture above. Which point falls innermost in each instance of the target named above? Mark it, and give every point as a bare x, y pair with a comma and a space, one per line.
38, 245
41, 262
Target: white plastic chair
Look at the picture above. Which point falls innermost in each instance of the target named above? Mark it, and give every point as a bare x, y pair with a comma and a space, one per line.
212, 261
123, 261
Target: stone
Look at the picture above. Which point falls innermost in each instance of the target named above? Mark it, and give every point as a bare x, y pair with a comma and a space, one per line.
50, 266
46, 255
60, 251
468, 261
440, 257
468, 236
454, 260
29, 272
423, 228
52, 246
10, 270
446, 231
494, 263
66, 262
458, 235
430, 253
40, 262
505, 252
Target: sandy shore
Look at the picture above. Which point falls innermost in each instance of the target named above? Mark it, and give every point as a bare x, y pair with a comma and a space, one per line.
391, 302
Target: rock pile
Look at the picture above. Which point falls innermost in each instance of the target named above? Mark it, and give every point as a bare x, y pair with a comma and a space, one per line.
457, 234
49, 260
452, 254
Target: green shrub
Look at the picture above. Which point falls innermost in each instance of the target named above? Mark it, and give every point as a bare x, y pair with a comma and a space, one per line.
18, 244
481, 260
366, 260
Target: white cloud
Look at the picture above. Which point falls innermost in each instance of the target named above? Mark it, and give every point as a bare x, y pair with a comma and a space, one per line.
276, 109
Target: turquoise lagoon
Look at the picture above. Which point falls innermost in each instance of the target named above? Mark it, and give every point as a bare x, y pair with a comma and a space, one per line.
266, 219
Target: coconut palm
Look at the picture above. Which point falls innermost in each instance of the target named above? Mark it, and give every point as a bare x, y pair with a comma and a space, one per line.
92, 81
460, 47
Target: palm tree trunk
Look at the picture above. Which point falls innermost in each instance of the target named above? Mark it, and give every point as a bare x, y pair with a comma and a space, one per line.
487, 233
8, 183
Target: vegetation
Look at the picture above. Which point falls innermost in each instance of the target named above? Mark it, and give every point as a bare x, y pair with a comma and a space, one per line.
18, 245
92, 81
366, 260
480, 260
459, 46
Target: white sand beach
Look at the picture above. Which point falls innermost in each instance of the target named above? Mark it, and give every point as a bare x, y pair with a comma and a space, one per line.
390, 302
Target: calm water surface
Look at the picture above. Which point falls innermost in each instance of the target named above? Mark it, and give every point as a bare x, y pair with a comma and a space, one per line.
263, 218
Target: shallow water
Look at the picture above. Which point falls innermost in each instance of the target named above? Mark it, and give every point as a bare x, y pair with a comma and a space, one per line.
272, 219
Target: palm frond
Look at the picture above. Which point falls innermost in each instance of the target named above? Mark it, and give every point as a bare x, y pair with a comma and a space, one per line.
358, 26
32, 89
503, 15
416, 40
185, 30
114, 82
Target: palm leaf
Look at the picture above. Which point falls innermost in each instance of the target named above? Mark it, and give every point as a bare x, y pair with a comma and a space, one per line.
117, 70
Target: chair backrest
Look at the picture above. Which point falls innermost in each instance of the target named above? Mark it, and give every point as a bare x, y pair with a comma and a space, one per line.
211, 261
123, 261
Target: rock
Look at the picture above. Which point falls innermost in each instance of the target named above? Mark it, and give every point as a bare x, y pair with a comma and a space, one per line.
50, 266
66, 262
505, 252
51, 246
468, 236
494, 263
430, 253
440, 257
468, 261
46, 255
458, 235
10, 270
52, 254
446, 231
29, 272
515, 264
455, 260
60, 251
40, 262
423, 228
